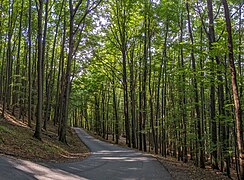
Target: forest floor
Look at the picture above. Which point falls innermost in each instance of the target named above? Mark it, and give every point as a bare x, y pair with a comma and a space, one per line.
178, 169
16, 139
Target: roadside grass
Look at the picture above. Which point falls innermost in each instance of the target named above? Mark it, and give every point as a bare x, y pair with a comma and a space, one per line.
16, 139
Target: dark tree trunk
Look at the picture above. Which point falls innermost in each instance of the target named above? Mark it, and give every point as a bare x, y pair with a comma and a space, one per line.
195, 84
17, 69
155, 142
132, 96
60, 77
29, 64
40, 70
115, 114
211, 36
6, 94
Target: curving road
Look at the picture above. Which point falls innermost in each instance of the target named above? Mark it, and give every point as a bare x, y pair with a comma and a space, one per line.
106, 162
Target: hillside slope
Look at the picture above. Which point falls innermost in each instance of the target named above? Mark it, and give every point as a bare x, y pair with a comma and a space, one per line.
16, 139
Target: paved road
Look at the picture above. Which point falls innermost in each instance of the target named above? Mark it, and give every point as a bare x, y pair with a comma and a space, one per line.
106, 162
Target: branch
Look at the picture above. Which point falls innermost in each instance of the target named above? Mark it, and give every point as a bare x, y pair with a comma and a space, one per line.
82, 21
76, 8
88, 10
237, 10
110, 67
77, 45
203, 24
37, 5
217, 12
116, 36
231, 16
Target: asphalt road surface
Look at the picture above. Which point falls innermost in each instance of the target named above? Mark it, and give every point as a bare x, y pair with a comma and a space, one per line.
107, 162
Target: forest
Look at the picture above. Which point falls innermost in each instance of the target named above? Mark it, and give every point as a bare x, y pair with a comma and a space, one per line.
165, 75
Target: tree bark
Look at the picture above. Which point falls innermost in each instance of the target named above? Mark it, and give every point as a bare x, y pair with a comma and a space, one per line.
239, 127
132, 96
40, 70
211, 36
29, 64
196, 98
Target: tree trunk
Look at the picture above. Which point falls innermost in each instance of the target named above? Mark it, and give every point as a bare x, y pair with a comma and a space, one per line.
43, 58
239, 128
15, 99
155, 142
58, 102
211, 36
125, 84
132, 96
40, 70
195, 84
29, 65
6, 96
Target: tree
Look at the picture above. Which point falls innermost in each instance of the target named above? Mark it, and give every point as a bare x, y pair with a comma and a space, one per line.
67, 81
40, 71
195, 84
239, 127
29, 65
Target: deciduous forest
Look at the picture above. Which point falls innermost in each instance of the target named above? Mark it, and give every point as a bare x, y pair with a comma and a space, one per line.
165, 75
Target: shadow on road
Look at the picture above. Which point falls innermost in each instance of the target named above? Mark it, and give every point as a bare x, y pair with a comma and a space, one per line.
107, 161
16, 169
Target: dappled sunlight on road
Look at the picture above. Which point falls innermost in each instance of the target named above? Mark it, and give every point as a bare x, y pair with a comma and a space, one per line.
125, 158
118, 152
42, 172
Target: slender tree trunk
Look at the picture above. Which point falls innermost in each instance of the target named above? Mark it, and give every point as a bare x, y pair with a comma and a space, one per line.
8, 60
40, 70
227, 124
17, 69
163, 102
107, 111
195, 84
29, 64
132, 96
125, 84
103, 112
43, 58
60, 77
140, 108
144, 81
239, 128
151, 91
115, 114
182, 92
161, 73
240, 33
211, 36
66, 88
